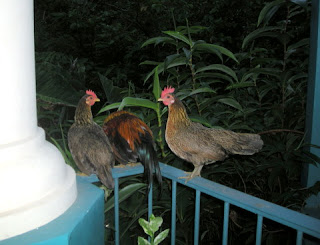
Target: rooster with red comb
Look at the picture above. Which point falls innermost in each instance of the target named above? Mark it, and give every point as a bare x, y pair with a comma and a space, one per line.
88, 144
198, 144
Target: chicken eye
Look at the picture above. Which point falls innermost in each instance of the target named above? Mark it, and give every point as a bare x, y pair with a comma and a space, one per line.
168, 96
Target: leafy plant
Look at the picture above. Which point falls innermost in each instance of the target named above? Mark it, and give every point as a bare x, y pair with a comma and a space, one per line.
239, 65
150, 228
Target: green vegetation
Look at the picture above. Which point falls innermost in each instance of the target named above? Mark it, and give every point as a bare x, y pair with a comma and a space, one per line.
150, 228
240, 65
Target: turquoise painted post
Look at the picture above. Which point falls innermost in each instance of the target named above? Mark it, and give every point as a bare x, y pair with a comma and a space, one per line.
197, 218
150, 202
225, 223
259, 230
116, 211
311, 173
82, 223
173, 212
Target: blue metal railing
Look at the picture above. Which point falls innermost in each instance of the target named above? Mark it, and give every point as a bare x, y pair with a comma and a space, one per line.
302, 223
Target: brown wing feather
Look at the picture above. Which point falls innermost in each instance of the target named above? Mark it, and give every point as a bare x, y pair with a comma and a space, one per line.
92, 152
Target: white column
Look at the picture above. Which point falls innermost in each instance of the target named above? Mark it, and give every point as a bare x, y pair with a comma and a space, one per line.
36, 186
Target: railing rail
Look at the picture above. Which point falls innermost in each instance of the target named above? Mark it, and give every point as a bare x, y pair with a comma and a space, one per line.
302, 223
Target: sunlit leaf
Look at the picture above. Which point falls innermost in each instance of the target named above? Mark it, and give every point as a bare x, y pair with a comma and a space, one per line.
159, 238
146, 226
142, 241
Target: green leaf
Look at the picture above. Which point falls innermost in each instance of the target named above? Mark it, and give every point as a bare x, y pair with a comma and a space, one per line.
109, 107
157, 40
155, 223
179, 36
301, 43
142, 241
146, 226
130, 101
266, 9
112, 92
216, 49
202, 90
266, 71
149, 62
219, 67
231, 102
241, 85
302, 3
170, 59
261, 32
159, 238
124, 193
177, 62
156, 85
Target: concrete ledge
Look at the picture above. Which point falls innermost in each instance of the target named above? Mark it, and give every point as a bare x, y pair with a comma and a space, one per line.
82, 223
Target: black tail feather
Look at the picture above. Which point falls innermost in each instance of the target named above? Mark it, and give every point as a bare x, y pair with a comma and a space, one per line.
149, 160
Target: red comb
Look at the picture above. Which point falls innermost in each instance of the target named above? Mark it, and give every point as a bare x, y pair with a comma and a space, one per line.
90, 92
167, 90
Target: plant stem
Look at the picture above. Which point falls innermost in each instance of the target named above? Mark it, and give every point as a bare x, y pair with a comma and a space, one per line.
161, 144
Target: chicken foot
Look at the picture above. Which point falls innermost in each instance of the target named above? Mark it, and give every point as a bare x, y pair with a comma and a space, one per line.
129, 164
194, 173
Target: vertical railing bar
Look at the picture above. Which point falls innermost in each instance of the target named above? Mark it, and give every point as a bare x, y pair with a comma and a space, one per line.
150, 202
197, 218
173, 212
259, 230
299, 238
116, 210
225, 223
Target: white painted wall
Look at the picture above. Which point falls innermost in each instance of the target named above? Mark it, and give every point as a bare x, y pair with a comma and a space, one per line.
36, 186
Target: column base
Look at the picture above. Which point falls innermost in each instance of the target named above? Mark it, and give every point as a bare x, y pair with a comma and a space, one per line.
82, 223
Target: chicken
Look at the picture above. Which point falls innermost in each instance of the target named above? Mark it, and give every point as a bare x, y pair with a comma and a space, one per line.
132, 140
200, 145
88, 144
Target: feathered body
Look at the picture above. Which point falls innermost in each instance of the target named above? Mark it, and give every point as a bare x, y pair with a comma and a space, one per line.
132, 141
201, 145
88, 144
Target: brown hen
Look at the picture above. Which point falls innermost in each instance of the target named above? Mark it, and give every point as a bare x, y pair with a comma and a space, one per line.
88, 144
198, 144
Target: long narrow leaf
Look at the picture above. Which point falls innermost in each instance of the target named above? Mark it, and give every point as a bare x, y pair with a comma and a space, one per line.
110, 107
231, 102
219, 67
156, 85
241, 85
266, 9
157, 40
216, 49
265, 31
179, 36
130, 101
202, 90
124, 193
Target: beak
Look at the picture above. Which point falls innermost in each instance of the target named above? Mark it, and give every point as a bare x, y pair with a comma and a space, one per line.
160, 99
97, 99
